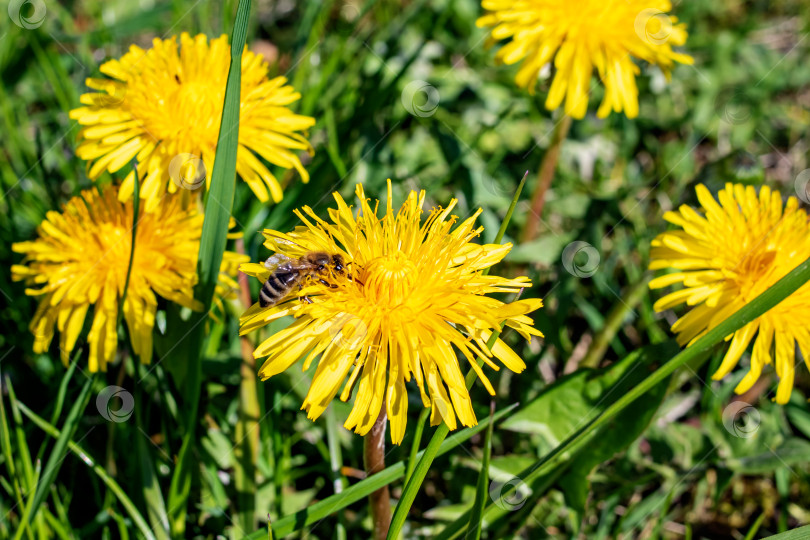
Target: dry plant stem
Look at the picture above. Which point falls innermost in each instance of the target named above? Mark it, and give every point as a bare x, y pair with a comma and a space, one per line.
544, 177
613, 322
374, 461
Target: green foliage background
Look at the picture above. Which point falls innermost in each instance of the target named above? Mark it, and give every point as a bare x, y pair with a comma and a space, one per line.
666, 467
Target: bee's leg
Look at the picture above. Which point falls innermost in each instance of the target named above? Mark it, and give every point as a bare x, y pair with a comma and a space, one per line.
330, 285
304, 298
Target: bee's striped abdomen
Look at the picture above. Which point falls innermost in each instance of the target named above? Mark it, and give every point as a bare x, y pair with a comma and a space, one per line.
276, 287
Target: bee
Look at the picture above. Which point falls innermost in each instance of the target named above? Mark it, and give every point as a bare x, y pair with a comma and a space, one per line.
287, 273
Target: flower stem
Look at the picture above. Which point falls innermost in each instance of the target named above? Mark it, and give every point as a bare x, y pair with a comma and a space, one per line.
246, 449
544, 177
374, 461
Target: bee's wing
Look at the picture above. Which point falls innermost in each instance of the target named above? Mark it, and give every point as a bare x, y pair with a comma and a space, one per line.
274, 261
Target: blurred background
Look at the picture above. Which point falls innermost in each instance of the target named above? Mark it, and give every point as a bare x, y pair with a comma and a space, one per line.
409, 91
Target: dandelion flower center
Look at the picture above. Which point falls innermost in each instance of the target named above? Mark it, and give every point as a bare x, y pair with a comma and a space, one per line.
389, 280
194, 99
752, 274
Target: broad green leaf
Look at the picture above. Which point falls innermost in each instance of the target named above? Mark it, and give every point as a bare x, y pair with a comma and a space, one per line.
580, 396
792, 452
802, 533
624, 428
798, 414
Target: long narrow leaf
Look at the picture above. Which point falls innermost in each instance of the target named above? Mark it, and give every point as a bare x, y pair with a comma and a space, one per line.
802, 533
25, 519
136, 205
150, 487
481, 491
5, 444
417, 442
60, 448
212, 245
319, 510
116, 490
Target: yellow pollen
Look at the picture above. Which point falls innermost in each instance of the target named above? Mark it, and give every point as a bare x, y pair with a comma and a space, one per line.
751, 272
389, 280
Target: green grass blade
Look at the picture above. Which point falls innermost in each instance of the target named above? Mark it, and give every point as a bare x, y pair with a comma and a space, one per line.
63, 386
212, 245
508, 217
22, 442
321, 509
482, 489
113, 486
136, 205
8, 457
417, 442
335, 462
150, 487
25, 519
418, 476
415, 481
761, 304
752, 532
60, 448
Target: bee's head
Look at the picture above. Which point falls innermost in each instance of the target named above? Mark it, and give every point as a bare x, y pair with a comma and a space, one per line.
337, 263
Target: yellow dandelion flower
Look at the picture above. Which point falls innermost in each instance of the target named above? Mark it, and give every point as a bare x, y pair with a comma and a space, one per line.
163, 107
411, 291
578, 36
726, 256
81, 258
